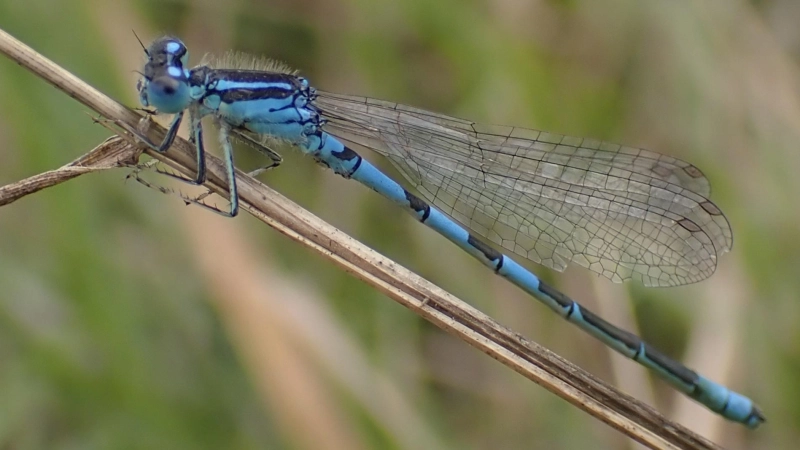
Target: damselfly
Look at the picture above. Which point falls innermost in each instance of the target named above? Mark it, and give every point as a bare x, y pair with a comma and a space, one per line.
621, 212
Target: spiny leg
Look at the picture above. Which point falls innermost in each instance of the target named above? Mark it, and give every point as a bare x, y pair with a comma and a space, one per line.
198, 200
253, 173
230, 170
153, 165
275, 157
196, 138
197, 135
169, 138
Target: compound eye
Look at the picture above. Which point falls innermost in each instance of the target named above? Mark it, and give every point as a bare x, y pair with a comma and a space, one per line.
167, 94
165, 85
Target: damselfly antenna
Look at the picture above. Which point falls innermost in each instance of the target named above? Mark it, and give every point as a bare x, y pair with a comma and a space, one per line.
141, 43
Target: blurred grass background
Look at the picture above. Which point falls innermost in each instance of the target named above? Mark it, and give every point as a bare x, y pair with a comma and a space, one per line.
130, 321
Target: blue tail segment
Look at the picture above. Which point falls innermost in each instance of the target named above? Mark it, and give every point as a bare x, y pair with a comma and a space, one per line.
621, 212
731, 405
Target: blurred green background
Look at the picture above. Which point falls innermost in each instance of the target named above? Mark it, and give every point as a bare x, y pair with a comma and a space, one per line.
130, 321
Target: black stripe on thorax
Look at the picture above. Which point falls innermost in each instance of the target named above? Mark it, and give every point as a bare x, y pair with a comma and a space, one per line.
290, 84
244, 94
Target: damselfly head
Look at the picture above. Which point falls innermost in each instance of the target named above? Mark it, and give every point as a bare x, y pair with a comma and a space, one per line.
165, 81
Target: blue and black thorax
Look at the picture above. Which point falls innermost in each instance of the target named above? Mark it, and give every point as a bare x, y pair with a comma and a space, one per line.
266, 103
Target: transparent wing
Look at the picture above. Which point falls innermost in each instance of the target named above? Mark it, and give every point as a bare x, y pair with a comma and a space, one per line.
619, 211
